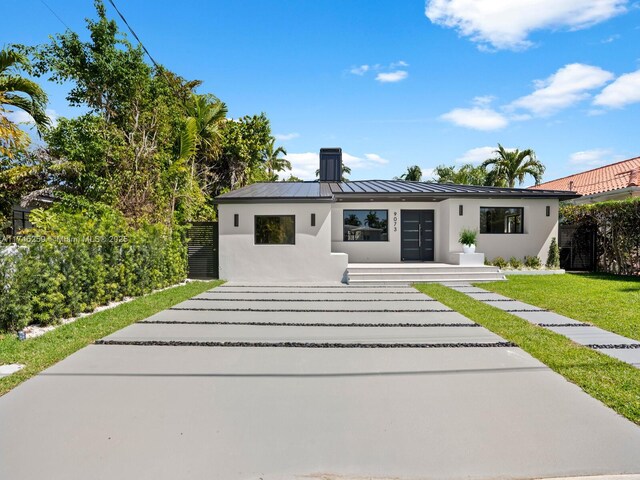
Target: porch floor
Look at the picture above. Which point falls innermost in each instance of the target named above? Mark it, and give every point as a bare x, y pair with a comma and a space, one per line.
419, 272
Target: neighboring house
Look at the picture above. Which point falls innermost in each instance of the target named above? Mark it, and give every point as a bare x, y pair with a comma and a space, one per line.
20, 212
617, 181
288, 231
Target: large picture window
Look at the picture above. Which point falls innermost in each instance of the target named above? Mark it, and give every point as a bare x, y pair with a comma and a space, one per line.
275, 229
501, 219
365, 225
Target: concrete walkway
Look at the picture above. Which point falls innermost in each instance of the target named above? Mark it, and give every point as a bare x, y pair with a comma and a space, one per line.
612, 344
235, 384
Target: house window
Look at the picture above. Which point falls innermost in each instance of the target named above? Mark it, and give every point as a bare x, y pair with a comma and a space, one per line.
275, 230
501, 219
365, 225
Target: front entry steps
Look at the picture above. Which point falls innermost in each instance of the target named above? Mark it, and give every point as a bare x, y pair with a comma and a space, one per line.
406, 273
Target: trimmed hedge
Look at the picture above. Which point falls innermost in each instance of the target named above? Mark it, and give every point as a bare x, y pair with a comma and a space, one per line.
79, 256
617, 224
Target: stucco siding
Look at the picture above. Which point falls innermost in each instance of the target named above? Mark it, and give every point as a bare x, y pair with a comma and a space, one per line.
538, 228
310, 259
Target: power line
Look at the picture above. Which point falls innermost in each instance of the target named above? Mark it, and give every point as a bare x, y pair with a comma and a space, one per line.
55, 14
134, 33
158, 67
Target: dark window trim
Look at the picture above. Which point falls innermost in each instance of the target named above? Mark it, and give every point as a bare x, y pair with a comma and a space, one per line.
255, 228
502, 233
365, 210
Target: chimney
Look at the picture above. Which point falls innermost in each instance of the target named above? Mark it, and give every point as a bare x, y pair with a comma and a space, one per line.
330, 164
633, 178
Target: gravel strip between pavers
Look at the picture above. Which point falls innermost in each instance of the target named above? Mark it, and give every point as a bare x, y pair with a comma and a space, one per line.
178, 343
618, 346
300, 324
308, 300
395, 292
302, 310
565, 325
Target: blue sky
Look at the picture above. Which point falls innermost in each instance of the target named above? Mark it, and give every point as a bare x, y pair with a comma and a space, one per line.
397, 83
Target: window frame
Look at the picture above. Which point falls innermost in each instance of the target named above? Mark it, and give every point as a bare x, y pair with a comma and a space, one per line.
503, 233
255, 228
386, 210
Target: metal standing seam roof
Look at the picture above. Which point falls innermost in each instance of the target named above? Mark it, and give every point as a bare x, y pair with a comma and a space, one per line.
332, 191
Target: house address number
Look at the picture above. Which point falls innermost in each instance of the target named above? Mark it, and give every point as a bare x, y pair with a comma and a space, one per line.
395, 221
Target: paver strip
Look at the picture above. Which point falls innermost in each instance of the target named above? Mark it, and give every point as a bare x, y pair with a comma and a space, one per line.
586, 334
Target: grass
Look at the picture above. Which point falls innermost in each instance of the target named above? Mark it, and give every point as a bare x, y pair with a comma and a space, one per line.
608, 301
39, 353
614, 383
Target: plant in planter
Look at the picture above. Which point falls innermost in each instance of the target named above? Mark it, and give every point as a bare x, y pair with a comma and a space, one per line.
468, 240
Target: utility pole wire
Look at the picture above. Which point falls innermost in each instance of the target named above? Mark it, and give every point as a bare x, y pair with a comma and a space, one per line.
158, 67
55, 14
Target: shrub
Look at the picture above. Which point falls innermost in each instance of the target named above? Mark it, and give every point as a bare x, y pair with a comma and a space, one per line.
500, 262
515, 263
533, 262
617, 224
468, 236
79, 256
553, 257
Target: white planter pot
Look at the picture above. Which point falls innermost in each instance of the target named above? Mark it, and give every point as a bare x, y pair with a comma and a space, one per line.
469, 248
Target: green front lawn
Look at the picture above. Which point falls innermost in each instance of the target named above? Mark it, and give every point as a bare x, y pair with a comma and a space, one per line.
608, 301
614, 383
39, 353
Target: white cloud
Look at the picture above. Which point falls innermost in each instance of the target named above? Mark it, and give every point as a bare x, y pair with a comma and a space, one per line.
611, 38
20, 116
399, 63
504, 24
427, 173
476, 155
361, 70
392, 77
593, 158
569, 85
304, 165
477, 118
623, 91
484, 100
283, 137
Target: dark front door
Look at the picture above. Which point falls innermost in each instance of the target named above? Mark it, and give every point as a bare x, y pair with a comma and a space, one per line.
417, 235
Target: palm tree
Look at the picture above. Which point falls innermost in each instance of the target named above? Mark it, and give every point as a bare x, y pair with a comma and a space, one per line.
272, 160
413, 174
465, 175
345, 171
20, 92
515, 165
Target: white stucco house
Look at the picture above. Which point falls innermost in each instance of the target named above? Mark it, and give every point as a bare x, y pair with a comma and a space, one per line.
315, 231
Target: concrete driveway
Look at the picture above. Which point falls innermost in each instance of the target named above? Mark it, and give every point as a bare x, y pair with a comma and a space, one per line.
236, 384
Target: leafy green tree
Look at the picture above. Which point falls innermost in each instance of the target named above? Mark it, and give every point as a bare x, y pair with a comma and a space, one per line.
464, 175
293, 178
273, 162
413, 174
513, 166
123, 151
243, 144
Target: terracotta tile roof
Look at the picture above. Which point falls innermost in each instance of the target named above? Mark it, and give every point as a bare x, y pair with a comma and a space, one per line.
603, 179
